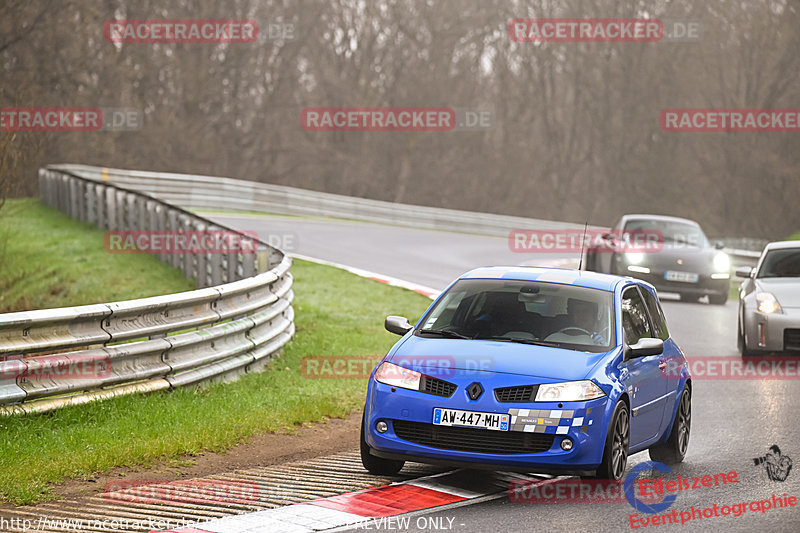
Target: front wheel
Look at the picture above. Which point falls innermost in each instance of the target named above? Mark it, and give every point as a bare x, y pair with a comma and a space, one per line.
718, 299
615, 452
674, 450
741, 341
377, 465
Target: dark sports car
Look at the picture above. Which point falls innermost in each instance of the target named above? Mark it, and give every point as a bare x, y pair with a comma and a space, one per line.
677, 257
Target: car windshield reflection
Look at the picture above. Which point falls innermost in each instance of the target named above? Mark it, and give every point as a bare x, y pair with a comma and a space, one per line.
524, 312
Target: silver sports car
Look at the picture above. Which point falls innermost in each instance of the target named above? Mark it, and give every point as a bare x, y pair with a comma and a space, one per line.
769, 301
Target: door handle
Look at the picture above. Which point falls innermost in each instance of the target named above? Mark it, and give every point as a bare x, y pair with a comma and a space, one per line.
662, 366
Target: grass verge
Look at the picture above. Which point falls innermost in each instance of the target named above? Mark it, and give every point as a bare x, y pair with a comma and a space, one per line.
50, 260
337, 313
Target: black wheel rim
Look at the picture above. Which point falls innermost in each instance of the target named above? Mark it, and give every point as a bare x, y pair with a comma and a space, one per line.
684, 422
619, 446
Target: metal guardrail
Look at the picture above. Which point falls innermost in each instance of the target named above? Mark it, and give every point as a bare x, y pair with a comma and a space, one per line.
207, 192
239, 318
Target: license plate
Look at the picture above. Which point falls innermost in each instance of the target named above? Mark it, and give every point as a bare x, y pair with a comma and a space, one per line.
473, 419
676, 275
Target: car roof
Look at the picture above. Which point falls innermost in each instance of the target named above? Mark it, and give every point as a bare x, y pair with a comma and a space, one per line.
663, 218
566, 276
782, 244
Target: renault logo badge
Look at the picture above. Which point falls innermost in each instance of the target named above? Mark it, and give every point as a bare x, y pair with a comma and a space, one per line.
474, 391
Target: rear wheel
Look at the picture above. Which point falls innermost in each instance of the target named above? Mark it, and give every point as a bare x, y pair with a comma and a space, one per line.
674, 450
377, 465
615, 452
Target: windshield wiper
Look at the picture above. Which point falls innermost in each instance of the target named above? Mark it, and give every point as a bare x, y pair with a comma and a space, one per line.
445, 333
521, 341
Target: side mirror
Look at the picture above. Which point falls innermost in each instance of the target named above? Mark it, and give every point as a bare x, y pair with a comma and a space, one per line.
719, 245
397, 324
644, 347
744, 272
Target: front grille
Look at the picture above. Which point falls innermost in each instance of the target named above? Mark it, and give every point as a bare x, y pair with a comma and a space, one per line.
437, 387
791, 339
472, 440
525, 393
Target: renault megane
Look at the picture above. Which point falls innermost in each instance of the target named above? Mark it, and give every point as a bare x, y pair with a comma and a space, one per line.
533, 369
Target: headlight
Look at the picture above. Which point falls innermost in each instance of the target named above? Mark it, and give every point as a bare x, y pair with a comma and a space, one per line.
397, 376
571, 391
767, 303
722, 263
634, 258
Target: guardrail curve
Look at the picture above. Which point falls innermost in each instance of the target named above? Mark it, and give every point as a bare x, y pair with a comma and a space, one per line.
238, 319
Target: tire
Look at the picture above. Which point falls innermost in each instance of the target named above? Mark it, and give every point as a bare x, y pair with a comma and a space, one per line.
615, 452
693, 298
674, 450
718, 299
741, 342
377, 465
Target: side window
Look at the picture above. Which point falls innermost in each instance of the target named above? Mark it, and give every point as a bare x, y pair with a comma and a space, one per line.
656, 314
634, 317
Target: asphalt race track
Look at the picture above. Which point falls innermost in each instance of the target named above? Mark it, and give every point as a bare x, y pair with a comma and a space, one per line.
734, 421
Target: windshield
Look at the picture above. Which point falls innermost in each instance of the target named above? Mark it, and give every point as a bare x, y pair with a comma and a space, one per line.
781, 264
672, 232
548, 314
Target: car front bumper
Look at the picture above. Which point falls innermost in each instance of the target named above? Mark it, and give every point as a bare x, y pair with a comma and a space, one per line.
585, 423
705, 285
768, 332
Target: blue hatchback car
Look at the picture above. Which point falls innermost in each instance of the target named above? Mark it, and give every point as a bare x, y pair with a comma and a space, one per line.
531, 369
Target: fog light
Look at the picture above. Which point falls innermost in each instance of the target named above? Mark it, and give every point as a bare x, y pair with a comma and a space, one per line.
566, 445
381, 427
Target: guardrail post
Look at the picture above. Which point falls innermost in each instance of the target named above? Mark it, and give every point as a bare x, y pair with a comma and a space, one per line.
131, 212
160, 216
185, 258
172, 225
44, 186
74, 207
100, 204
91, 204
201, 258
83, 188
215, 261
121, 207
110, 210
231, 271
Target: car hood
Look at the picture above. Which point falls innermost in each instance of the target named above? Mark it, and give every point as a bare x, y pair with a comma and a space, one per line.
437, 357
786, 290
684, 258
